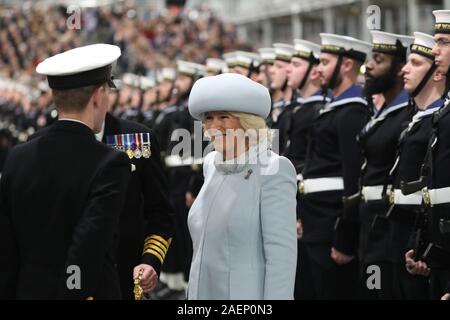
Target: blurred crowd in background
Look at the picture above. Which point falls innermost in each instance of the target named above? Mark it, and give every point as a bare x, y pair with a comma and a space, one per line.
150, 41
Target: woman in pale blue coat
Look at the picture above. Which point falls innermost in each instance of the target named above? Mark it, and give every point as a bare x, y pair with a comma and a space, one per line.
243, 222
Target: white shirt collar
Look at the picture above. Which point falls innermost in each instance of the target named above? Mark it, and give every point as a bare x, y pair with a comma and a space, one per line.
99, 136
74, 120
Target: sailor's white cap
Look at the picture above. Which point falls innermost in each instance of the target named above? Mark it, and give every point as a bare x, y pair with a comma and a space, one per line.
387, 42
442, 24
247, 59
283, 51
347, 46
190, 69
267, 55
423, 45
230, 59
164, 74
216, 66
130, 79
146, 83
80, 67
306, 49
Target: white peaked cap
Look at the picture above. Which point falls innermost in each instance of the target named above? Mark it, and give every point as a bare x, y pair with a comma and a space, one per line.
381, 37
230, 58
345, 42
442, 16
229, 92
283, 51
130, 79
424, 40
146, 83
267, 54
190, 68
79, 60
442, 24
216, 65
307, 46
245, 59
423, 45
80, 67
166, 74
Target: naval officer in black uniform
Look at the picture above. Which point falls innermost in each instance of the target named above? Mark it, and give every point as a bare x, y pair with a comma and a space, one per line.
175, 271
61, 194
332, 169
146, 223
378, 141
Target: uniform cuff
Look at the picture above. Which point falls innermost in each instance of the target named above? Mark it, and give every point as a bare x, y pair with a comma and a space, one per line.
155, 250
153, 261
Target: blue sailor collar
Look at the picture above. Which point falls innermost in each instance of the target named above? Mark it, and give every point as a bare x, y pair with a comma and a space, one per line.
279, 104
354, 91
422, 114
400, 101
316, 97
354, 94
437, 104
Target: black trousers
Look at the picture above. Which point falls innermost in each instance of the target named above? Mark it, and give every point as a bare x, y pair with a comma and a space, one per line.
330, 280
304, 289
179, 255
408, 286
439, 280
386, 289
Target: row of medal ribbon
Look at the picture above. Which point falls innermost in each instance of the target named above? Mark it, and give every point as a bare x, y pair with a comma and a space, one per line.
135, 145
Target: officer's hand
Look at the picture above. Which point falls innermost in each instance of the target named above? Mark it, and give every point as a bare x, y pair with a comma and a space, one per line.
339, 257
299, 229
149, 279
189, 197
446, 296
416, 267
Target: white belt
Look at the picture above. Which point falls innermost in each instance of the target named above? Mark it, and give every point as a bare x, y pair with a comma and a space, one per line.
397, 197
371, 193
436, 196
320, 185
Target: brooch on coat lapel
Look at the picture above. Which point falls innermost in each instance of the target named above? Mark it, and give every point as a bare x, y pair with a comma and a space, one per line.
135, 145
